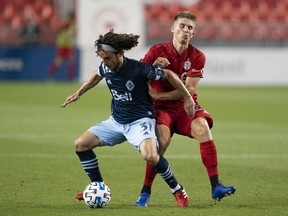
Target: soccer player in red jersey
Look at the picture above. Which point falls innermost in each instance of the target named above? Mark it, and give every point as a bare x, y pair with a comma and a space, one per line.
188, 63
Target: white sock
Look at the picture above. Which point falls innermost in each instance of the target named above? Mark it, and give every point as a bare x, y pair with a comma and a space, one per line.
173, 190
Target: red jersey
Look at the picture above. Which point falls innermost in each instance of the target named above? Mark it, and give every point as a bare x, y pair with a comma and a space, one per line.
190, 63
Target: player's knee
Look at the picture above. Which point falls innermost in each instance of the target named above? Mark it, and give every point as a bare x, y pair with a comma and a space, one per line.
77, 145
80, 145
152, 158
202, 132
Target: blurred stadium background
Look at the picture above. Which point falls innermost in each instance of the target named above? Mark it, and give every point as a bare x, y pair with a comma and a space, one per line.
246, 42
246, 45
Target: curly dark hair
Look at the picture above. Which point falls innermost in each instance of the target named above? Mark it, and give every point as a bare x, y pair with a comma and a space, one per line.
120, 42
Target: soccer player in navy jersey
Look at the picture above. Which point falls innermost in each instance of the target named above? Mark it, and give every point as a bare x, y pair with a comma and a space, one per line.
188, 63
132, 116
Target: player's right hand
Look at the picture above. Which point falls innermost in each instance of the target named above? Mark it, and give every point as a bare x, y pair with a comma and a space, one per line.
189, 106
70, 99
161, 62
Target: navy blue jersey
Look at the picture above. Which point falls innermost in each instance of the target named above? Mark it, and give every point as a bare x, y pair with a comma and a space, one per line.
129, 89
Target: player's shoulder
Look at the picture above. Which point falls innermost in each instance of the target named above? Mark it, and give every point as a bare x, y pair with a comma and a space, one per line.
133, 63
196, 51
161, 46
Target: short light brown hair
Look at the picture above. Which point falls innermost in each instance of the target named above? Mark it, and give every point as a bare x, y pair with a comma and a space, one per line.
185, 14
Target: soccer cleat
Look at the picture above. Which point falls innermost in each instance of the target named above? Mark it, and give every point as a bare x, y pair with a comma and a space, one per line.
221, 191
143, 200
181, 198
79, 196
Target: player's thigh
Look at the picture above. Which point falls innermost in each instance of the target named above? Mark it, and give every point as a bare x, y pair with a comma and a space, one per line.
109, 132
149, 151
141, 130
86, 141
200, 129
165, 121
183, 124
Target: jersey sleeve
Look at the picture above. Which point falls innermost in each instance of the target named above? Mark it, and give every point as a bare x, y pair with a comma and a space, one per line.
150, 56
198, 65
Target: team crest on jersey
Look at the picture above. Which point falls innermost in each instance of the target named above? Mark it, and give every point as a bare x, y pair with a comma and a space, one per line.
187, 65
130, 85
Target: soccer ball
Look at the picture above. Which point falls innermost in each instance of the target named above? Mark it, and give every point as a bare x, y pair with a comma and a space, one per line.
97, 195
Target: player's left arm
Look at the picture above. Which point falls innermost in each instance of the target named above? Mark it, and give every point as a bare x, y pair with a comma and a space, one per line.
173, 79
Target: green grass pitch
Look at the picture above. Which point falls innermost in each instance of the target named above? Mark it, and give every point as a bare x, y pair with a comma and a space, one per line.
40, 173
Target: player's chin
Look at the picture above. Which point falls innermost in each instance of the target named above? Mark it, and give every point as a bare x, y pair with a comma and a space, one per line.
184, 41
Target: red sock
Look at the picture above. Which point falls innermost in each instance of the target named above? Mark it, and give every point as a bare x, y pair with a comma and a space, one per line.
149, 175
209, 157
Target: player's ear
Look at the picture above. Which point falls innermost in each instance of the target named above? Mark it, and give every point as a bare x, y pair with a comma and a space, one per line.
119, 54
172, 29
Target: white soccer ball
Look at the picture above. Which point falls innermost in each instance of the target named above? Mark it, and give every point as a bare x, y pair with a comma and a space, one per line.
97, 195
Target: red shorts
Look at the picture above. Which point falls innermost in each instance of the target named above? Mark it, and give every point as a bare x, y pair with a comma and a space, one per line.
65, 52
178, 121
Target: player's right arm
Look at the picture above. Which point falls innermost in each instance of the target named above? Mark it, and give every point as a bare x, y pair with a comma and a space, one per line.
163, 62
153, 57
191, 82
93, 80
167, 96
